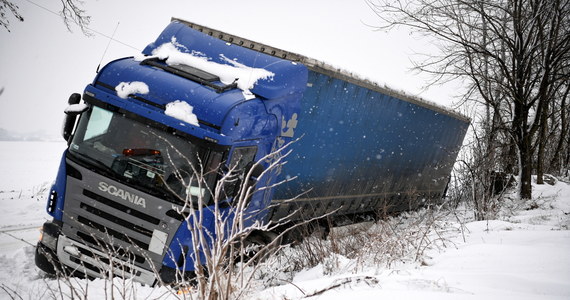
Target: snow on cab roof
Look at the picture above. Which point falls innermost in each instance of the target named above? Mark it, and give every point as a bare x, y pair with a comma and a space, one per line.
263, 74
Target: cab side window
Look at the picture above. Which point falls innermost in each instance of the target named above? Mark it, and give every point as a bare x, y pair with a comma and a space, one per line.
240, 159
242, 156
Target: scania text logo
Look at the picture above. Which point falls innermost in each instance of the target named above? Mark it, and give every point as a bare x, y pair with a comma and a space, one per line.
118, 192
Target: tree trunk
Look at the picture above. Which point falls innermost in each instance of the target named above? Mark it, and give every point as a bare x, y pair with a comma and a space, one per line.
567, 159
525, 150
542, 135
523, 139
555, 163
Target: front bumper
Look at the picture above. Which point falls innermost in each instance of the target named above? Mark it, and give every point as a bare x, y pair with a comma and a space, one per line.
56, 252
95, 263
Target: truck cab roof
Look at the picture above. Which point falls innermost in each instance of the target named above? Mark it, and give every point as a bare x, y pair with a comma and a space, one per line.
212, 76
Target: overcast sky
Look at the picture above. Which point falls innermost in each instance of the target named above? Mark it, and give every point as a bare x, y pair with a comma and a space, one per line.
42, 63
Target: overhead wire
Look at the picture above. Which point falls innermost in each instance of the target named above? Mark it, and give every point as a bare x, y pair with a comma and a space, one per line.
111, 38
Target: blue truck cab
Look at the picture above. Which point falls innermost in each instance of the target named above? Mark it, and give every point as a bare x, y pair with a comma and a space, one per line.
157, 130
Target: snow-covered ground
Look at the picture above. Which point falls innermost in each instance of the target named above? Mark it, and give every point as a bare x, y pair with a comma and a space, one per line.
524, 255
26, 172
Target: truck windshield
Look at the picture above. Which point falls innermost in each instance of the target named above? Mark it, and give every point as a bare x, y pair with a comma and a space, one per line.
144, 157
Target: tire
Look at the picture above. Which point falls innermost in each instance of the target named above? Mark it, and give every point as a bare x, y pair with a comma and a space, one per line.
46, 259
258, 242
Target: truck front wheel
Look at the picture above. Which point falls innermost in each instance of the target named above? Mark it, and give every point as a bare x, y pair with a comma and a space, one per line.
46, 259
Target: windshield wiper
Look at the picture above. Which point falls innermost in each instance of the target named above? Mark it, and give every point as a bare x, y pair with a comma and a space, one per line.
91, 162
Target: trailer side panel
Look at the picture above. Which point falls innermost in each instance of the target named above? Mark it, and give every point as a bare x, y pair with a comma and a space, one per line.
361, 150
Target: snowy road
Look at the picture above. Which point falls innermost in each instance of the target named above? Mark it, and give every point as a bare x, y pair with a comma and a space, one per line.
27, 170
14, 239
22, 214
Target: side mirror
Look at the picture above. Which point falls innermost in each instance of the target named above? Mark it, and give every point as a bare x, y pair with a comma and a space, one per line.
74, 99
71, 112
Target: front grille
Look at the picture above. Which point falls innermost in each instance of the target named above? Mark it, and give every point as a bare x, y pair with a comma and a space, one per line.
113, 225
120, 253
120, 207
112, 218
110, 232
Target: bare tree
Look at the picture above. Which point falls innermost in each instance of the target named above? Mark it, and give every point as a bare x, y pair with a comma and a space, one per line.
71, 13
561, 137
227, 233
8, 8
514, 54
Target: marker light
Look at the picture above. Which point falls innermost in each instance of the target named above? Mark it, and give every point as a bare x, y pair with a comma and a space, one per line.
140, 152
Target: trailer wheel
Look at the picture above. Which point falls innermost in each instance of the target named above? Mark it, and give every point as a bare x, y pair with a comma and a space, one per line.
259, 242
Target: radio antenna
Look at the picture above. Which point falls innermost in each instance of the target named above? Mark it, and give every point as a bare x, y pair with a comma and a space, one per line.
107, 48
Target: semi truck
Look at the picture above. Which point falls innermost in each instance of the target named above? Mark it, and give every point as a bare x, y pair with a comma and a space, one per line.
157, 132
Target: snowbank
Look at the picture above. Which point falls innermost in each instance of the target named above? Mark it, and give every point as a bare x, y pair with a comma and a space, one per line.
524, 256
